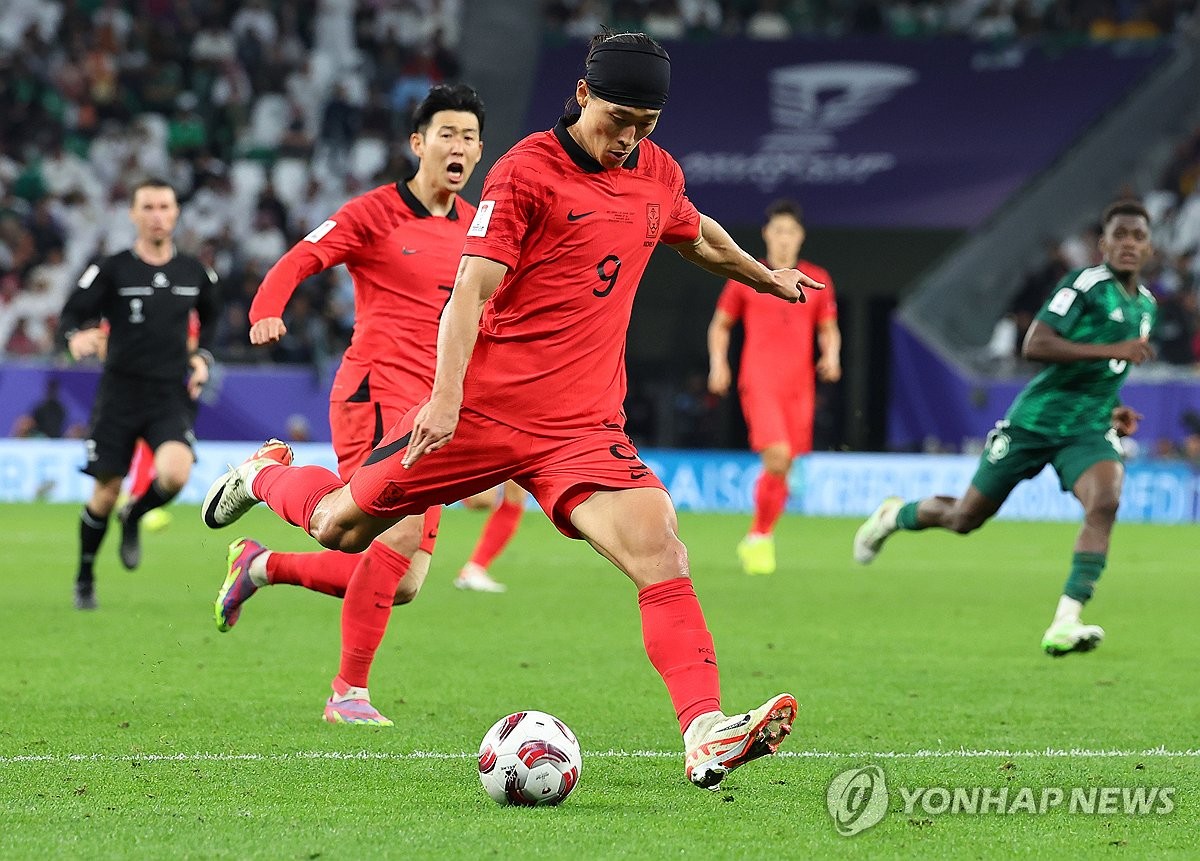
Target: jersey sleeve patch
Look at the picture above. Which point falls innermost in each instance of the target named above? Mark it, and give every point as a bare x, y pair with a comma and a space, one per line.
1062, 301
320, 231
88, 276
483, 217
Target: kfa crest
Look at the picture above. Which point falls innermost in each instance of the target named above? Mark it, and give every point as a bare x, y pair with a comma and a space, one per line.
653, 220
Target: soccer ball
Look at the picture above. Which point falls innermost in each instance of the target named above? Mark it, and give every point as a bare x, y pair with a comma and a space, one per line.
529, 759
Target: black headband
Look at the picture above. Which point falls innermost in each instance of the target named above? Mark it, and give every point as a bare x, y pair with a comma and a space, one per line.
628, 74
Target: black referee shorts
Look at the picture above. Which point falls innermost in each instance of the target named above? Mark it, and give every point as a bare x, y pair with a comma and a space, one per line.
129, 408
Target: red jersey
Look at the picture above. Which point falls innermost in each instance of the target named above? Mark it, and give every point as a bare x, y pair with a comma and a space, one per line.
403, 261
576, 238
778, 349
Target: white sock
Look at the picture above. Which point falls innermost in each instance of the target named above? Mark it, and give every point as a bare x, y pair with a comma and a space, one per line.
699, 722
753, 537
258, 569
1068, 610
352, 693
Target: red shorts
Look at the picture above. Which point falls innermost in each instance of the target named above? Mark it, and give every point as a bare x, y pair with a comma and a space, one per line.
774, 417
560, 473
357, 427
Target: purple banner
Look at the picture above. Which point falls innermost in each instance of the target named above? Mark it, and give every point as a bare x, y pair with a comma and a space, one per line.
868, 132
931, 401
240, 404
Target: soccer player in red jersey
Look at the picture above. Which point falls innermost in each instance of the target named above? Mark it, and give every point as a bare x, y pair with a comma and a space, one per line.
530, 381
401, 243
777, 387
507, 507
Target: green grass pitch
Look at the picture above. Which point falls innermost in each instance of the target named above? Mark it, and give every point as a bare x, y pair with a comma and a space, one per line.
138, 731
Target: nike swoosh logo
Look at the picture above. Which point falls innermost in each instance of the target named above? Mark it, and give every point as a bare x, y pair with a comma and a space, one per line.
571, 216
710, 661
636, 475
408, 251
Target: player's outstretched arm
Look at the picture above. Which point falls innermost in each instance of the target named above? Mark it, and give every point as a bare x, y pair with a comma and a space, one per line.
715, 251
1043, 344
434, 426
333, 242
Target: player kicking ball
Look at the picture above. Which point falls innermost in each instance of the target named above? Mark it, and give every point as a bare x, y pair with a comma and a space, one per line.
1094, 326
530, 382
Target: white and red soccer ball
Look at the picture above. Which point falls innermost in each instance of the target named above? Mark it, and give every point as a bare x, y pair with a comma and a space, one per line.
529, 759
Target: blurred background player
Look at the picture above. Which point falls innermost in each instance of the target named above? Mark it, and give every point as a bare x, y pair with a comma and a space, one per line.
507, 505
147, 295
540, 311
777, 377
1095, 324
401, 243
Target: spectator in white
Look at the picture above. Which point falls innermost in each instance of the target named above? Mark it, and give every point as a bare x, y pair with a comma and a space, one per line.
702, 15
209, 211
109, 151
64, 172
264, 244
213, 44
768, 22
664, 21
318, 201
333, 28
405, 22
35, 308
587, 21
994, 24
255, 19
116, 19
232, 92
306, 87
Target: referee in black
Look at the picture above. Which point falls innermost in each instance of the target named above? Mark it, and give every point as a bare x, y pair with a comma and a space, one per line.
151, 378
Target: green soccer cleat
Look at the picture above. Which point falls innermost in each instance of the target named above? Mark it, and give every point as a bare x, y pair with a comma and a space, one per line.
1071, 635
757, 554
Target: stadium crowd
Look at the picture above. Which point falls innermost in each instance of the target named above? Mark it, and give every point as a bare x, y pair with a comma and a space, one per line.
266, 115
782, 19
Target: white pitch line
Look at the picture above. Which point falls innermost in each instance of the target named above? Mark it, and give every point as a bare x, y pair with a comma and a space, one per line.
959, 753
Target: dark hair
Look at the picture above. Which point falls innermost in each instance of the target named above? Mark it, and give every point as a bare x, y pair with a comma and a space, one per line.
153, 182
607, 35
447, 97
785, 206
1128, 206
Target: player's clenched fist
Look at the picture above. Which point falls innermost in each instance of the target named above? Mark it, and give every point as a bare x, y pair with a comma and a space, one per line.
267, 331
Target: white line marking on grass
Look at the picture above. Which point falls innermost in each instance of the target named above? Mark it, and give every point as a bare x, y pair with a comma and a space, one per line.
958, 753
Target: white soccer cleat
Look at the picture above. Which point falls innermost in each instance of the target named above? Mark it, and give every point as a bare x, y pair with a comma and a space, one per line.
717, 744
1070, 635
230, 496
875, 529
474, 578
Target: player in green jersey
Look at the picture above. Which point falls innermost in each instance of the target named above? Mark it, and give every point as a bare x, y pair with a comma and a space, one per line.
1095, 325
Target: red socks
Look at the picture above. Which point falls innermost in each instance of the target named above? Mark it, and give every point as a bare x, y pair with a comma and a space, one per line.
367, 608
325, 571
141, 471
293, 492
680, 647
770, 498
497, 532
